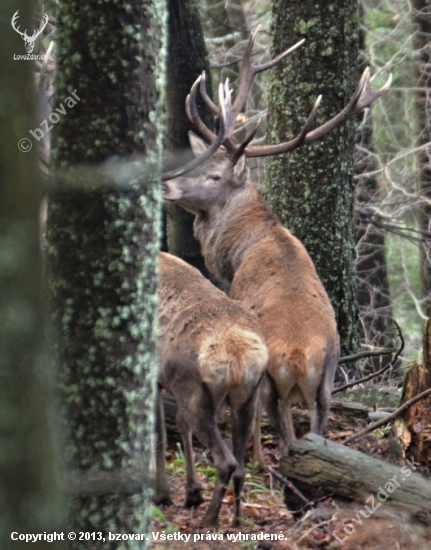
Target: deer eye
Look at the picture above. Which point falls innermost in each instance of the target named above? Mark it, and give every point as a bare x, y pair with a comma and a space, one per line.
215, 177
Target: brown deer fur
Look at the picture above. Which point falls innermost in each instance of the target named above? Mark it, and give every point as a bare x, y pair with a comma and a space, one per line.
270, 272
211, 350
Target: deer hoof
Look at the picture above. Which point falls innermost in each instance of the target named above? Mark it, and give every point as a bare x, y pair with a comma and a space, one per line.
162, 498
194, 497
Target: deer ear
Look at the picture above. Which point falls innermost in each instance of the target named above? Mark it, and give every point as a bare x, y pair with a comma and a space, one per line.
197, 144
240, 171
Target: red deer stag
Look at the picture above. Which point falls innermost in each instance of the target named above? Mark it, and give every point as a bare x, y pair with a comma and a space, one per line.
268, 268
211, 351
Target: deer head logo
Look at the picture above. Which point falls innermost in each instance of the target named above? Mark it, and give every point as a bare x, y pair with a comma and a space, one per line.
29, 40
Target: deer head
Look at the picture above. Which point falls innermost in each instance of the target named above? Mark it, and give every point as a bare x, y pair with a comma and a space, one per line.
29, 40
211, 184
225, 170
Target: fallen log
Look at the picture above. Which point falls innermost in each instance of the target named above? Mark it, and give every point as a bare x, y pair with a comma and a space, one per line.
321, 467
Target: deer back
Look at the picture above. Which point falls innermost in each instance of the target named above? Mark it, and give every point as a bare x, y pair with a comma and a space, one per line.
212, 337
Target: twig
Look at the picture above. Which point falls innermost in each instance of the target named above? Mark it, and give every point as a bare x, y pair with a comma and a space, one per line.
259, 506
361, 354
365, 379
314, 527
288, 484
384, 421
378, 373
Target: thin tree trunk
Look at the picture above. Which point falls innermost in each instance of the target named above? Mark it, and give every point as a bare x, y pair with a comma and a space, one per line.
422, 44
371, 266
186, 61
103, 238
311, 190
30, 499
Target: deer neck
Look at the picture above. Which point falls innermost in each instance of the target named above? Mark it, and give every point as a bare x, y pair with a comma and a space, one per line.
229, 233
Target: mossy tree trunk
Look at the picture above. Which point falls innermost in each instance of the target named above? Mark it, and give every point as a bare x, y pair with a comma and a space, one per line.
103, 238
311, 190
30, 501
186, 61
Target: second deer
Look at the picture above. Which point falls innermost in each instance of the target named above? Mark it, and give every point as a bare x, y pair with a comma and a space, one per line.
211, 351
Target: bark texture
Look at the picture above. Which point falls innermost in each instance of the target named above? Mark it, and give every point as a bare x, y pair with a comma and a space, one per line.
311, 190
319, 466
103, 239
186, 60
29, 497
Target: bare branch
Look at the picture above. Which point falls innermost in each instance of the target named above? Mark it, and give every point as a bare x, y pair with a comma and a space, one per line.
371, 354
393, 415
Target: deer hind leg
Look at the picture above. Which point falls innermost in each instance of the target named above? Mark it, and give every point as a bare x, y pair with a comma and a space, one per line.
257, 445
322, 410
194, 487
286, 408
202, 422
324, 392
278, 412
161, 490
242, 428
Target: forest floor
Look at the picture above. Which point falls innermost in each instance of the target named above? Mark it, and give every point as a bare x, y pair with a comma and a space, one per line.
265, 514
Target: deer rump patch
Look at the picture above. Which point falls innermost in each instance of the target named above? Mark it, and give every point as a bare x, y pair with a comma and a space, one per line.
232, 359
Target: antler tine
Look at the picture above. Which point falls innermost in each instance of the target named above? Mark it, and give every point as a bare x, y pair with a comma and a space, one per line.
363, 97
224, 128
308, 123
249, 71
203, 90
369, 95
225, 102
193, 115
241, 148
269, 64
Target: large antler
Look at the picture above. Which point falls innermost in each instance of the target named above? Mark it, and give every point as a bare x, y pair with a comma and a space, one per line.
362, 98
225, 125
246, 78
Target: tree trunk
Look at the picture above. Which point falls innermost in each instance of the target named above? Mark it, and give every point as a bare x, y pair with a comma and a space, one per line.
318, 467
103, 240
422, 44
371, 266
311, 190
373, 292
187, 58
186, 61
30, 498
